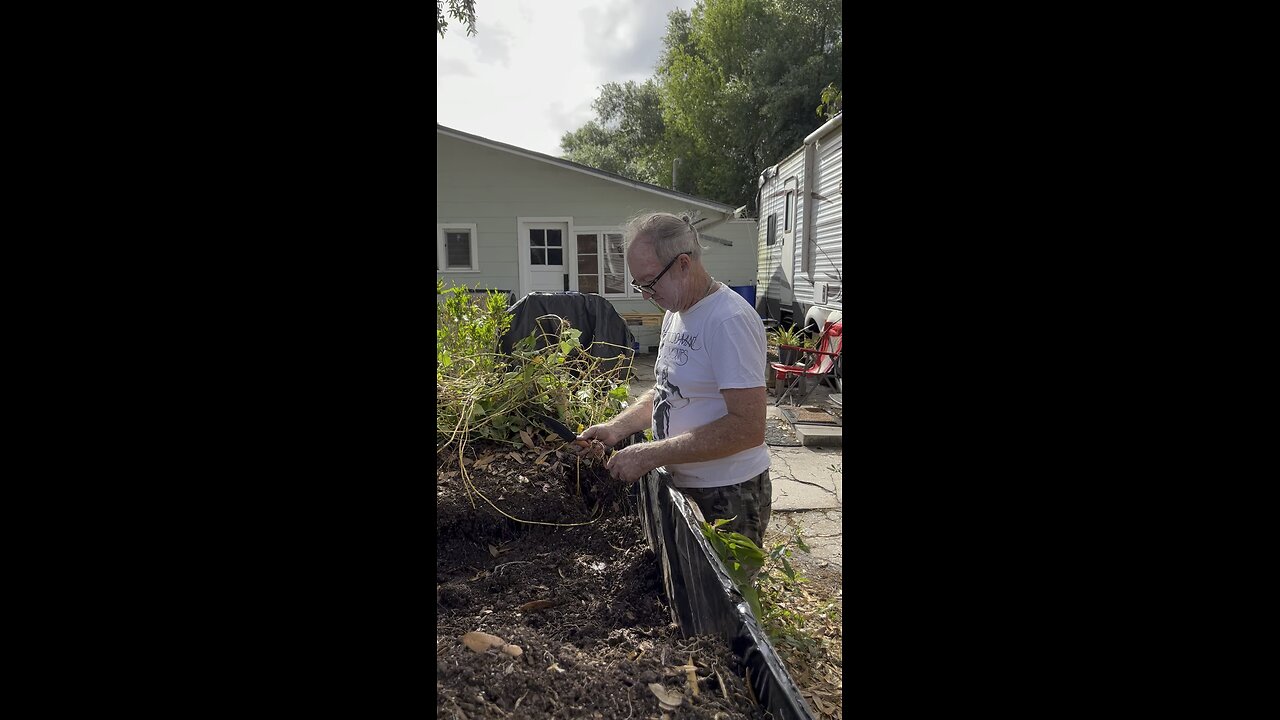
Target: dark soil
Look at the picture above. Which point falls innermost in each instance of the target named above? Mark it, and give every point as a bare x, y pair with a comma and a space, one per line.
607, 633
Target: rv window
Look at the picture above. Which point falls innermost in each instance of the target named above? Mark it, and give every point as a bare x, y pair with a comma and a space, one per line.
786, 219
771, 234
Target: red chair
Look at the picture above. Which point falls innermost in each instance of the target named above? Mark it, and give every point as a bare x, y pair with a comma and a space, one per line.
818, 365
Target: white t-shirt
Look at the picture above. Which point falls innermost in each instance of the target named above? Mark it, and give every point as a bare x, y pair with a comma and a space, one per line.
718, 344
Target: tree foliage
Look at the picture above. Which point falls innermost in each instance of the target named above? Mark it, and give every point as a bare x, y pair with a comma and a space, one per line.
832, 101
733, 92
464, 11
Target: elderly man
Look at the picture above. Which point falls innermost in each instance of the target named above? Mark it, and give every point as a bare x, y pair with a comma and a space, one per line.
707, 409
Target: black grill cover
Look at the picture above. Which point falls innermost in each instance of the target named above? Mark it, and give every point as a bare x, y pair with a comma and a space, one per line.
592, 314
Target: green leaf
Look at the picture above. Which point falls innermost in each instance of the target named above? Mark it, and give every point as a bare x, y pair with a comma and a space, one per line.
786, 566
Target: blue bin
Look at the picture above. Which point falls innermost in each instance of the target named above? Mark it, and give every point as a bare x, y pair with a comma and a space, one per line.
746, 291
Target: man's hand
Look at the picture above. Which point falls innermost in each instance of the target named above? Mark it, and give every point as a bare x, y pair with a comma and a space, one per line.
631, 463
605, 434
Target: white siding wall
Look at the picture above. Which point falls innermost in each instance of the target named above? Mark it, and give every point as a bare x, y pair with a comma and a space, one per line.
828, 230
492, 188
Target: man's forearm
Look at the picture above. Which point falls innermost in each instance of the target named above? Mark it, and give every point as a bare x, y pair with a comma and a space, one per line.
720, 438
636, 418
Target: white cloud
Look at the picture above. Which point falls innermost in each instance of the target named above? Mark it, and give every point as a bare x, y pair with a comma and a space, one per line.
532, 69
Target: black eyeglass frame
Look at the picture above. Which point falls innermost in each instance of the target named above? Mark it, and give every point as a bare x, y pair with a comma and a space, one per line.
648, 287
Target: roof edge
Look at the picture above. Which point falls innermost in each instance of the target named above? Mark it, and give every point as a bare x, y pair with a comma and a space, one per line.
569, 164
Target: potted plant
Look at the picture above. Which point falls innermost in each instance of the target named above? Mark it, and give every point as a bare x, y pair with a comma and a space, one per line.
780, 336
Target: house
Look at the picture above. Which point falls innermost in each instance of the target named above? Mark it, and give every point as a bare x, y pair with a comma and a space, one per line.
516, 220
799, 277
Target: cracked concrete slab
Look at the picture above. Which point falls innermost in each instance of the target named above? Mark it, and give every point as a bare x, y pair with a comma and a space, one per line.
820, 529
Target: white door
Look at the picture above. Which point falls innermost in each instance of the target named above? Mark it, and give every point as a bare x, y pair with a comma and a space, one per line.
543, 261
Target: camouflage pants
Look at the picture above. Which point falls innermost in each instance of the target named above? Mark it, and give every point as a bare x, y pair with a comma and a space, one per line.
750, 502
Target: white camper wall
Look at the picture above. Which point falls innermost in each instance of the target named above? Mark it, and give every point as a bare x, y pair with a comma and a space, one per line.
778, 264
828, 230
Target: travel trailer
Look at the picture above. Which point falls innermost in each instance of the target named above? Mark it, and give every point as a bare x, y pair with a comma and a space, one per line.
799, 279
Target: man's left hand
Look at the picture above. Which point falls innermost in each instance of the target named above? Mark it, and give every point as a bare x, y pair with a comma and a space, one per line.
630, 463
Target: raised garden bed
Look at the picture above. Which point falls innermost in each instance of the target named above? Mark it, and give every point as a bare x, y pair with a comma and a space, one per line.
575, 587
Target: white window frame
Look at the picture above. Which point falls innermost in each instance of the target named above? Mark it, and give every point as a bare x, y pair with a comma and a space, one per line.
441, 257
628, 293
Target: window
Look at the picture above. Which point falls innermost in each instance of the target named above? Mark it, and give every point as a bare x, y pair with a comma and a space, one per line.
771, 234
546, 247
786, 218
602, 264
457, 248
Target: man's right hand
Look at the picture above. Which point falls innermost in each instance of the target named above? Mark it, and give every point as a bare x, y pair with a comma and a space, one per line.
606, 434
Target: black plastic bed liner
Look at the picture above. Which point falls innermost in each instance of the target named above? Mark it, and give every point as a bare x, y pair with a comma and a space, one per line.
704, 599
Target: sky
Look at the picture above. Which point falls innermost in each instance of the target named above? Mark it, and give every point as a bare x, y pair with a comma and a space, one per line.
533, 68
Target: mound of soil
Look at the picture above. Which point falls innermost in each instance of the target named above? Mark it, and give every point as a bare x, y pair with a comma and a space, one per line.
560, 569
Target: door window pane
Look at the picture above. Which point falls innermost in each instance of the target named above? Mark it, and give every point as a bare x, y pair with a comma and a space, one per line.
537, 256
555, 257
587, 264
553, 237
537, 238
588, 284
586, 243
614, 284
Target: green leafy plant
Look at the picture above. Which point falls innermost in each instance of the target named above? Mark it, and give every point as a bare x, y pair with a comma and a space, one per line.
779, 621
785, 336
484, 394
793, 336
832, 100
741, 557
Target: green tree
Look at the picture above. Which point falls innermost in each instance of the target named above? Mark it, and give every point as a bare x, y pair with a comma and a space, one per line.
832, 101
628, 136
732, 94
464, 11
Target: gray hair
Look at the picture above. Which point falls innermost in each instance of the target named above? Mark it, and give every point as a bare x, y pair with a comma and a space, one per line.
670, 234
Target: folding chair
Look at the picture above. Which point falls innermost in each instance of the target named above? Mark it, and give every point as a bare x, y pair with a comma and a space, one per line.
815, 364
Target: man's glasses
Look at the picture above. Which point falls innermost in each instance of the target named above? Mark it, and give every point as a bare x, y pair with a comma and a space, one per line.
648, 287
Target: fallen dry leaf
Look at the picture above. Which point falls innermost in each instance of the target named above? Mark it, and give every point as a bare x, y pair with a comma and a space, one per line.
666, 700
482, 641
524, 436
485, 460
537, 605
515, 456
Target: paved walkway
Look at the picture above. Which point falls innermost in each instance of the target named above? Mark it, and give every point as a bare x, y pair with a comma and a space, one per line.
808, 491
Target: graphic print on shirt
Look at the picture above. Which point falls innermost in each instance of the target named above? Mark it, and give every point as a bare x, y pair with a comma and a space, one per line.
679, 346
666, 397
